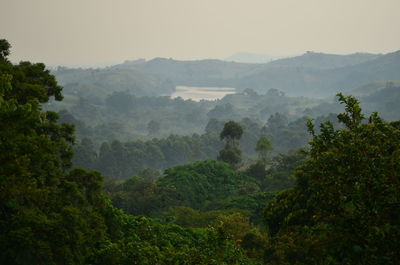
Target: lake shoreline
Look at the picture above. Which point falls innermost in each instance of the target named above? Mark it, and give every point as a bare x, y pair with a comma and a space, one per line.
202, 93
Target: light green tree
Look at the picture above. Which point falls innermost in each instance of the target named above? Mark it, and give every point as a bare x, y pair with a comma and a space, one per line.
263, 147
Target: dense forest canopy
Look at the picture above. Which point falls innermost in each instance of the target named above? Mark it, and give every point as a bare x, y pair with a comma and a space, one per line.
283, 190
127, 107
53, 214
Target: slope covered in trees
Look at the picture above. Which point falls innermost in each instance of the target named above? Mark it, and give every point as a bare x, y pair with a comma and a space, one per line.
311, 74
51, 214
344, 208
102, 82
341, 205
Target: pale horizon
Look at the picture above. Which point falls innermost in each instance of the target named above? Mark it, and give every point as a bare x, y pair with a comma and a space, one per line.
100, 33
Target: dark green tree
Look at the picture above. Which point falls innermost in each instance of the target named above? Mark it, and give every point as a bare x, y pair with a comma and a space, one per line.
48, 214
85, 154
4, 49
345, 207
230, 155
231, 133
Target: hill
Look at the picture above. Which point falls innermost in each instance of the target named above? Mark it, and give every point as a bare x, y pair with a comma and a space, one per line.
311, 74
209, 72
323, 60
247, 57
102, 82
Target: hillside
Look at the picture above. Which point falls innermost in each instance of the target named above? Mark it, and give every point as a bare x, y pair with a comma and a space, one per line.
311, 75
102, 82
324, 61
196, 73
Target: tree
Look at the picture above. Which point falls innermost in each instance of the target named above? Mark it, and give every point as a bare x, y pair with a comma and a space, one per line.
231, 153
85, 154
231, 132
263, 147
48, 214
4, 49
345, 207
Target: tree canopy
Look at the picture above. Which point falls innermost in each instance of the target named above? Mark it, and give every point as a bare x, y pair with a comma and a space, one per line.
231, 132
263, 147
52, 214
344, 208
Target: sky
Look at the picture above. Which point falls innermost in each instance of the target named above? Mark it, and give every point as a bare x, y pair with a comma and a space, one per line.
101, 32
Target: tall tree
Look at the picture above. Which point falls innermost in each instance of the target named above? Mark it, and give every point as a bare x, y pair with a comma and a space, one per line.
263, 147
48, 214
345, 207
231, 133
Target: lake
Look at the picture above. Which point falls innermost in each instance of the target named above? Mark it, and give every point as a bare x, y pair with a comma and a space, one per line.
199, 93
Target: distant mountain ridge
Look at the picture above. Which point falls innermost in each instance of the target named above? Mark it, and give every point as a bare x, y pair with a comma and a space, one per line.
324, 61
247, 57
311, 74
207, 72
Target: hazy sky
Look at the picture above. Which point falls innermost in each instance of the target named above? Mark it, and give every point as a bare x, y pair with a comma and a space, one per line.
73, 32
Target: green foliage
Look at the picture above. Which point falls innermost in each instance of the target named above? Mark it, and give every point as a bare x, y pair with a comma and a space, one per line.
123, 160
188, 217
232, 131
254, 203
280, 175
236, 225
4, 49
136, 196
263, 147
230, 155
85, 154
205, 185
344, 207
146, 242
201, 183
50, 214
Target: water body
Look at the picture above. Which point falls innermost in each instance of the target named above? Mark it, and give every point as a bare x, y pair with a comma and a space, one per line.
202, 93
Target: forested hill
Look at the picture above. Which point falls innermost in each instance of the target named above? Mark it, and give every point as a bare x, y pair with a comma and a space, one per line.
100, 83
311, 74
196, 73
336, 202
324, 61
308, 78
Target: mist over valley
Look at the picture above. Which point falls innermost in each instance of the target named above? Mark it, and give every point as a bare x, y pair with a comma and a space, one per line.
247, 132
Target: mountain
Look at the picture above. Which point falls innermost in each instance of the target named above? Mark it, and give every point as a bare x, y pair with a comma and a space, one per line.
373, 87
321, 75
102, 82
209, 72
311, 74
323, 60
247, 57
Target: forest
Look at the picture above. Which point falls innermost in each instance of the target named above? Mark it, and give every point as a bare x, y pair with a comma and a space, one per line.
100, 166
